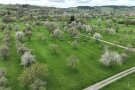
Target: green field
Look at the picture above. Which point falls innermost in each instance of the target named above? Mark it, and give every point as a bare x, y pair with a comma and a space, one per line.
89, 69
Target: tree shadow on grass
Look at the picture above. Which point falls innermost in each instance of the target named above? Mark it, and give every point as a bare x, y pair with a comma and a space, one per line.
72, 70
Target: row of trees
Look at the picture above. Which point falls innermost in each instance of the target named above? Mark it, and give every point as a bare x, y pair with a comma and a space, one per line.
4, 53
9, 27
3, 81
54, 31
5, 46
34, 74
26, 57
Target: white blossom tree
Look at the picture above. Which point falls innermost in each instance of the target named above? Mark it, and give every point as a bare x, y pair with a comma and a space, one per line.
97, 36
27, 59
19, 36
111, 58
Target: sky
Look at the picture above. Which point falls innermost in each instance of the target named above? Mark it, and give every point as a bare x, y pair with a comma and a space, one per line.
70, 3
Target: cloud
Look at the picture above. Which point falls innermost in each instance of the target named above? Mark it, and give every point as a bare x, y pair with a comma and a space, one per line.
56, 0
71, 3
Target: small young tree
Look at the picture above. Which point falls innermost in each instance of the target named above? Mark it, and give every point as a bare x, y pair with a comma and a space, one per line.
6, 40
108, 23
74, 44
54, 48
110, 31
97, 36
38, 85
58, 34
9, 27
3, 27
99, 22
88, 29
28, 34
27, 59
42, 37
116, 27
3, 81
16, 28
72, 18
73, 32
72, 61
31, 74
22, 49
4, 52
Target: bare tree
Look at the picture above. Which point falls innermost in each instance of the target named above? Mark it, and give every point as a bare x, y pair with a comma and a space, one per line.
72, 61
54, 48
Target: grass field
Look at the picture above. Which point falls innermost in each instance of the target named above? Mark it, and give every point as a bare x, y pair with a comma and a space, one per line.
88, 71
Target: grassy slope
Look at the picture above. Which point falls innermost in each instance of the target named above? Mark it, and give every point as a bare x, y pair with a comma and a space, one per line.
88, 71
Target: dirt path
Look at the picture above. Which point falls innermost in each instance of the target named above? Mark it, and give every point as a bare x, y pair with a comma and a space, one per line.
123, 47
111, 79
